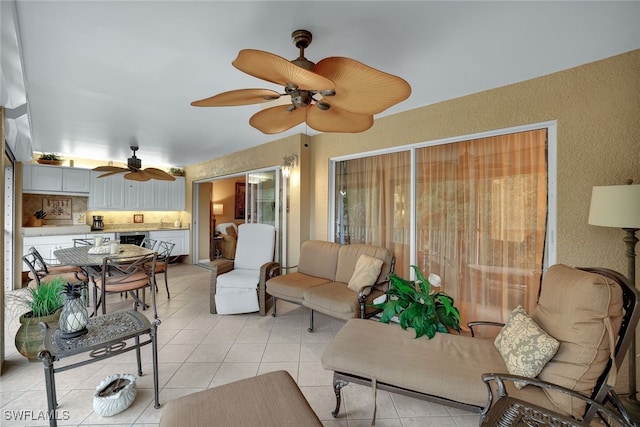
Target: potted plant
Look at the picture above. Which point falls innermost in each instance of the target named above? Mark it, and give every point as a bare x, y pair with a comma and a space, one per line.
415, 304
44, 304
176, 171
36, 219
49, 159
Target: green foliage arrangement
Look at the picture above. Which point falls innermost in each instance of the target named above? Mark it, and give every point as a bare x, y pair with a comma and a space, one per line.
417, 305
46, 299
50, 156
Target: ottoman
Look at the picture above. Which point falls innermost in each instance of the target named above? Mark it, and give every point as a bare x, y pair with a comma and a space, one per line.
268, 400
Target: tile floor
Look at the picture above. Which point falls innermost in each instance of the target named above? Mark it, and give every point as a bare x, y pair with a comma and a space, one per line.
198, 350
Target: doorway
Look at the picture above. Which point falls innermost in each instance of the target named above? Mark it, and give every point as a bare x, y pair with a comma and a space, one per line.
253, 197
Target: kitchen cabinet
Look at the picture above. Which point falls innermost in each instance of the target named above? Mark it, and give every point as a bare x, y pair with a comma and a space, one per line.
107, 192
116, 193
169, 195
42, 179
139, 195
76, 180
47, 245
179, 237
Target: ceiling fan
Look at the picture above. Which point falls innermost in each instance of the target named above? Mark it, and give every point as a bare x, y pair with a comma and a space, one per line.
335, 95
134, 170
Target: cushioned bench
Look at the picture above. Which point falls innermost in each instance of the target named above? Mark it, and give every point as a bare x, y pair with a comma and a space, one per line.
268, 400
336, 280
582, 310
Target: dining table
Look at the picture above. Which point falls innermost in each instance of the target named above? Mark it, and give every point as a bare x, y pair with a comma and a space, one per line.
81, 256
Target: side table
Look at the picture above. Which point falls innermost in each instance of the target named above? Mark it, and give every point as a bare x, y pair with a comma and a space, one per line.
106, 337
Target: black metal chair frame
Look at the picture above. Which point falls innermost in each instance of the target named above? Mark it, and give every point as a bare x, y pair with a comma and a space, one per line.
119, 271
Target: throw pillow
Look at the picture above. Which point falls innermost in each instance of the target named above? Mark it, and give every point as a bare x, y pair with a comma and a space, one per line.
524, 347
366, 272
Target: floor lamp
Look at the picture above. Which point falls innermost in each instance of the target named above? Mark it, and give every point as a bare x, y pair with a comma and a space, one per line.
619, 206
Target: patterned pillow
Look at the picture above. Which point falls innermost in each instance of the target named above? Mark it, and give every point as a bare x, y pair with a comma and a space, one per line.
524, 347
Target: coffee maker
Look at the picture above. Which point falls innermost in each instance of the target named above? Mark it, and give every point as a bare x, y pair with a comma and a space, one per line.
97, 223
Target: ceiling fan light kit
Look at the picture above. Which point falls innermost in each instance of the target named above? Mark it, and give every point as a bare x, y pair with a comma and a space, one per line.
134, 171
335, 95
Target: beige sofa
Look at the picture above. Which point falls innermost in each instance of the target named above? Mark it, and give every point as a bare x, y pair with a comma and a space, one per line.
582, 310
322, 279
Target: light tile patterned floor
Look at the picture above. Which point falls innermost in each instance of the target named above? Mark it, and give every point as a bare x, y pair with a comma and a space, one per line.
199, 350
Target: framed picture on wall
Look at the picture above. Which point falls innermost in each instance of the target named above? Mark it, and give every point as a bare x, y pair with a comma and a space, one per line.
241, 190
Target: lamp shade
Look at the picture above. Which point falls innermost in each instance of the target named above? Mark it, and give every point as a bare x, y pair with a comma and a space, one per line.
615, 206
217, 208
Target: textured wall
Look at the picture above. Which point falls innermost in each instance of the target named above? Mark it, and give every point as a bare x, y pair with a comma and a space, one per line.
597, 110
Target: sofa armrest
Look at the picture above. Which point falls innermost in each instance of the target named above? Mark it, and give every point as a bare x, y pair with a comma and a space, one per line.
267, 271
493, 413
471, 325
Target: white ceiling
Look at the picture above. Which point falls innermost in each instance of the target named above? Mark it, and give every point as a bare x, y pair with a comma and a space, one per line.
99, 74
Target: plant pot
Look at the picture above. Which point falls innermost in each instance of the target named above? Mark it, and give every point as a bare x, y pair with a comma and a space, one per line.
29, 336
49, 162
114, 394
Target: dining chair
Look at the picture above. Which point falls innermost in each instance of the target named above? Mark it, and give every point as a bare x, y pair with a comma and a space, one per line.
42, 272
162, 263
148, 243
125, 275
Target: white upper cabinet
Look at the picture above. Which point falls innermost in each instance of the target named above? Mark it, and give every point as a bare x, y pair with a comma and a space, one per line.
106, 192
55, 179
169, 195
116, 193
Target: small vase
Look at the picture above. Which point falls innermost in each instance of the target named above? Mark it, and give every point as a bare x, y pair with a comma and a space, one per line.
29, 337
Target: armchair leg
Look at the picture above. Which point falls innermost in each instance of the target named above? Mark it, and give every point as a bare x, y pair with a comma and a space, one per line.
273, 313
310, 322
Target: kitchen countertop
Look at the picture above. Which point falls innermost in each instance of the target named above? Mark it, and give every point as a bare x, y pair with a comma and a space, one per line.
56, 230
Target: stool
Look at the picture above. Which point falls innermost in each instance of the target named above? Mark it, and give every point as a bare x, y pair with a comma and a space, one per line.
268, 400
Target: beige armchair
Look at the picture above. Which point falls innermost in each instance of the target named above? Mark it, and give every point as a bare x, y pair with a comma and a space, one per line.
229, 233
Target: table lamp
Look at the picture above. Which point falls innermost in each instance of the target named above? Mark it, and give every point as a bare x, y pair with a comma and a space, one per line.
216, 209
619, 206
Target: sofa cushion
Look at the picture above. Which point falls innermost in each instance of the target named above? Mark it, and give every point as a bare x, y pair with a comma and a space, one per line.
348, 258
366, 347
575, 306
366, 272
319, 259
292, 286
333, 299
524, 347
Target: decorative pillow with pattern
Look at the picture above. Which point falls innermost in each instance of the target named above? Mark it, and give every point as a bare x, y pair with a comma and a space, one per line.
525, 347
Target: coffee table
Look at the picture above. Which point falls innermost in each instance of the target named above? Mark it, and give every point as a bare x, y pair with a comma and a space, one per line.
108, 335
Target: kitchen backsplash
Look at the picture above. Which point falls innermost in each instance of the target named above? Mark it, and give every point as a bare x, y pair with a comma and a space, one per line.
61, 209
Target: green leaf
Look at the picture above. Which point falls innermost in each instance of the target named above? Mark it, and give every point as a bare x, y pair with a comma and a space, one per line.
424, 283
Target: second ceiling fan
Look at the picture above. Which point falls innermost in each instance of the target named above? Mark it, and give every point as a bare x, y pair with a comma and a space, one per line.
335, 95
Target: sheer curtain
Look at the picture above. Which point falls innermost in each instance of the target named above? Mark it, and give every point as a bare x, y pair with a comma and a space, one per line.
481, 211
481, 220
373, 202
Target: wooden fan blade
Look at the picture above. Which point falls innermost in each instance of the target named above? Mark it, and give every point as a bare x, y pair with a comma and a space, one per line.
159, 174
137, 176
112, 173
337, 120
277, 119
110, 169
360, 88
238, 97
276, 69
